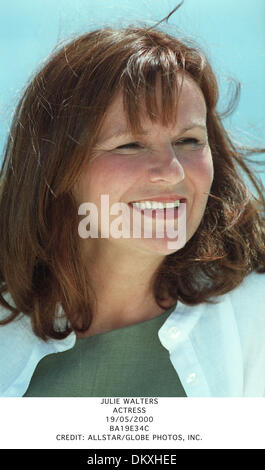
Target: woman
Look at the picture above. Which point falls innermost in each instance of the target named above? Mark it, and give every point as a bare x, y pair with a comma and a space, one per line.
128, 118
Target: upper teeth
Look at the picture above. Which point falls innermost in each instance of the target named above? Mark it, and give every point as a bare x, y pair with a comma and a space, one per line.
156, 204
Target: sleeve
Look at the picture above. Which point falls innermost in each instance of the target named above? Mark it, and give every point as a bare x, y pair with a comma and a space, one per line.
20, 352
248, 301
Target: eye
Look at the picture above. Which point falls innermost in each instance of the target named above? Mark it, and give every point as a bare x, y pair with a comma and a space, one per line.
131, 147
189, 142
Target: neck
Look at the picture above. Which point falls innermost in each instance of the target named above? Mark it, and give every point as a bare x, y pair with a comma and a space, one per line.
122, 283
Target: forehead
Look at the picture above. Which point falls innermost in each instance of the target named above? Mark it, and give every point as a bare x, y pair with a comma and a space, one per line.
190, 108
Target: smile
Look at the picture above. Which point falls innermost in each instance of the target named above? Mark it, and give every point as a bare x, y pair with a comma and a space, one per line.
153, 205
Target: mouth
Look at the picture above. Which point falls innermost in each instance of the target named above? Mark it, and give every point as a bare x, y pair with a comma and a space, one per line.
154, 205
158, 208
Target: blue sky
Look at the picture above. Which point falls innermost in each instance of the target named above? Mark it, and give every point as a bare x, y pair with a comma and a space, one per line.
232, 33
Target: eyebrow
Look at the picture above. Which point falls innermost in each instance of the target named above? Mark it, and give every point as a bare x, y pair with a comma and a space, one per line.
125, 133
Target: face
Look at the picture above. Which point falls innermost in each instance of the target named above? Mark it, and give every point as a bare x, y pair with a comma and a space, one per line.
162, 165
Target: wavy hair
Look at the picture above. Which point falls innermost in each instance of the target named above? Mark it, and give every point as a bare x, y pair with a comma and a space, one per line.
55, 127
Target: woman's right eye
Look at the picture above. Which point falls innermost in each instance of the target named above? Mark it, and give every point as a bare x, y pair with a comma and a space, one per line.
131, 147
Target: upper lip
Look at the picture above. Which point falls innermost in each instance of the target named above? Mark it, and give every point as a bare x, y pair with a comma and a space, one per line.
162, 198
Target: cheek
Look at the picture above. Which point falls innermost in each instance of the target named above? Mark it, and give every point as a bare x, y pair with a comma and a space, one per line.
115, 168
108, 174
200, 175
200, 170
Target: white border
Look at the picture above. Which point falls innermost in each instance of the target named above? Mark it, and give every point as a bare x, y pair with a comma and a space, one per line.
221, 423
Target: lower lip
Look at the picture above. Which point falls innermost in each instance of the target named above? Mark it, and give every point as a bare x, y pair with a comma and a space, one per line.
161, 213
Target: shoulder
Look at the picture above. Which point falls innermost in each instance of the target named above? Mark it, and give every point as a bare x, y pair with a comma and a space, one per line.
253, 283
248, 302
221, 343
248, 299
243, 304
244, 307
20, 352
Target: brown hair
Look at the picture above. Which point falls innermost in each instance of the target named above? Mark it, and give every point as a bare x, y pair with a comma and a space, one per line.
56, 125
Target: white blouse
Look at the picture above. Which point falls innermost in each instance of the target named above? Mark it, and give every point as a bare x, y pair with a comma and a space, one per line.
217, 350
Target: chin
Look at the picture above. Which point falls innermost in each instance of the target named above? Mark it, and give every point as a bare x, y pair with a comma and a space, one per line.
159, 246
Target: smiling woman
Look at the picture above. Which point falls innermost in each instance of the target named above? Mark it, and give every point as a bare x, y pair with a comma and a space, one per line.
162, 166
129, 115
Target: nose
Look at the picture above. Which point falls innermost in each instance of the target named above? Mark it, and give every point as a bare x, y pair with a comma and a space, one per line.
165, 166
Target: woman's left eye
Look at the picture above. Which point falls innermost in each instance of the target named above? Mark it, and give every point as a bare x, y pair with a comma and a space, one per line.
189, 142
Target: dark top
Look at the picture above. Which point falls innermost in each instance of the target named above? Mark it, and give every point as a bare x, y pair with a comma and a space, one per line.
128, 361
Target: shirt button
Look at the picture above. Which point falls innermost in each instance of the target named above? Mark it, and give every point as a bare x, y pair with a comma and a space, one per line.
174, 332
191, 379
